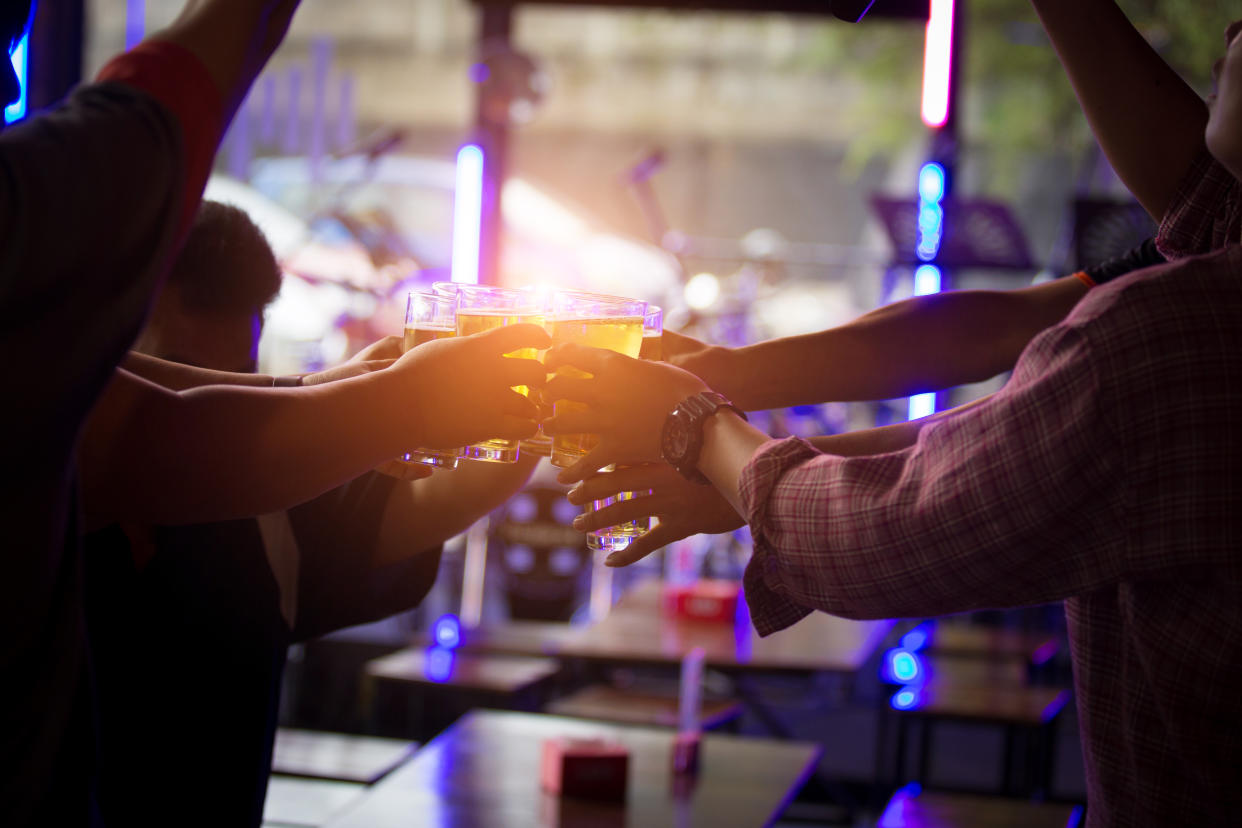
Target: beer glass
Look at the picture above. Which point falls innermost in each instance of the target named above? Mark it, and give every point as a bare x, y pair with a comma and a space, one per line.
611, 322
430, 315
482, 308
617, 537
540, 444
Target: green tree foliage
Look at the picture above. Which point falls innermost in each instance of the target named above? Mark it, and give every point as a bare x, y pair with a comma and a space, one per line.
1016, 98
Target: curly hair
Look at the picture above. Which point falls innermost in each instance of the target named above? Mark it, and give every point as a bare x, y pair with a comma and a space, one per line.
226, 264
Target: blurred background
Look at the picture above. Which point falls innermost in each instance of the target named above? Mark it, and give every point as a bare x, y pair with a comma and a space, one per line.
647, 147
749, 172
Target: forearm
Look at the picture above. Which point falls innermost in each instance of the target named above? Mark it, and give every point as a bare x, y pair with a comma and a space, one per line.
223, 452
884, 439
916, 345
232, 38
179, 377
1147, 120
426, 513
729, 443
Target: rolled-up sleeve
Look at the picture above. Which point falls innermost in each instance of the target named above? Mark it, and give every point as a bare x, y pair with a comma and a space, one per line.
1011, 502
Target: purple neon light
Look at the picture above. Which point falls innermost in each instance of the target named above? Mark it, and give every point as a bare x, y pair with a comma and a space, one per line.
135, 22
20, 59
468, 214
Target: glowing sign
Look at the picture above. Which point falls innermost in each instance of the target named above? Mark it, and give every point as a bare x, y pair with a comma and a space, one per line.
17, 110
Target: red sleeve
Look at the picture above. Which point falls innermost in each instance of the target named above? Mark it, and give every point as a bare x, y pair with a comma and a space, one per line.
176, 78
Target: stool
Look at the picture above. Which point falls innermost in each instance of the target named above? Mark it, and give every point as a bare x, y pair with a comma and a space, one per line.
307, 802
613, 704
911, 807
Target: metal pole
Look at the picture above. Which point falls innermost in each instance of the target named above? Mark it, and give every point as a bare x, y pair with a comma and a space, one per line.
492, 134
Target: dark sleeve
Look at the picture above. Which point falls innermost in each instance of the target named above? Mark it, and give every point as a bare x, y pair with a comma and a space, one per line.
1145, 255
86, 195
94, 197
337, 587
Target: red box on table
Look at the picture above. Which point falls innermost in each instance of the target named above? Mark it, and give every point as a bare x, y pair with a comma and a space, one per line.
585, 768
703, 600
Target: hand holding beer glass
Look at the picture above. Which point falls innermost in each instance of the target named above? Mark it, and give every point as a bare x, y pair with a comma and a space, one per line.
460, 390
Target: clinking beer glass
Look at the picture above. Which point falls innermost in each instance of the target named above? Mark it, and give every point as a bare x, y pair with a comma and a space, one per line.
430, 315
620, 536
482, 308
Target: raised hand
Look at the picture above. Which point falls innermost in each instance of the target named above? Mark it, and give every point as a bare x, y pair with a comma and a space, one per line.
625, 403
460, 390
683, 508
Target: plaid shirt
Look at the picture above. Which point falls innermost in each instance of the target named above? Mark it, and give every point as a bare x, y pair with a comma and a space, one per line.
1107, 472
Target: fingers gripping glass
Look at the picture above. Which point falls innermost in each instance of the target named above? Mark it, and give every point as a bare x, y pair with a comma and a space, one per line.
483, 308
610, 322
430, 316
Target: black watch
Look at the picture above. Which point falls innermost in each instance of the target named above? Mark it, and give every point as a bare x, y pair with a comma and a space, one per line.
682, 437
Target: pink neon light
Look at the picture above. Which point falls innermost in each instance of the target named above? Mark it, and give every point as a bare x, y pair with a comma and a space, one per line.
937, 55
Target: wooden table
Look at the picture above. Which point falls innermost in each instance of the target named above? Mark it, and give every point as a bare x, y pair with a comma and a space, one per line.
638, 631
338, 756
484, 771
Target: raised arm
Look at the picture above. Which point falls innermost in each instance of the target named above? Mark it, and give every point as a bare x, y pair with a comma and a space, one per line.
920, 344
178, 376
1147, 120
217, 452
232, 38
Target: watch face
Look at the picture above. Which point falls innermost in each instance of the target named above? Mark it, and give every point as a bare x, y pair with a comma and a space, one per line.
679, 438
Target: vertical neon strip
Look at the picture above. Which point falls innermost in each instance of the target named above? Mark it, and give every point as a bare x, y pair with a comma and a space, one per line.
17, 110
135, 22
601, 590
468, 214
937, 56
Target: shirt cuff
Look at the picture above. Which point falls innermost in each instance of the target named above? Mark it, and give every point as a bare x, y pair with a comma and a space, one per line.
178, 80
770, 610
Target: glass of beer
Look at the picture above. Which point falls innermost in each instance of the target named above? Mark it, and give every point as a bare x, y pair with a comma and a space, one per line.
599, 321
482, 308
539, 444
430, 315
618, 537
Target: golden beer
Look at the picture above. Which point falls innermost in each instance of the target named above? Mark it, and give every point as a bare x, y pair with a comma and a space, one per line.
623, 334
417, 336
652, 347
414, 336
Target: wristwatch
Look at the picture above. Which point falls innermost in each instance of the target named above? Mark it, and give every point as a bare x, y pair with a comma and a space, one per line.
682, 437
